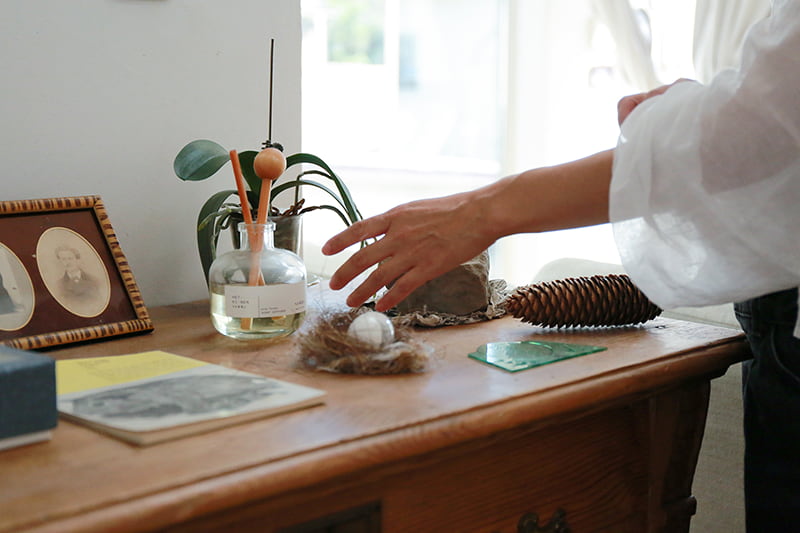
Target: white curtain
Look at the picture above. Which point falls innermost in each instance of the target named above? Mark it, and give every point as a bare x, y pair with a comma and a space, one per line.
632, 33
551, 51
719, 28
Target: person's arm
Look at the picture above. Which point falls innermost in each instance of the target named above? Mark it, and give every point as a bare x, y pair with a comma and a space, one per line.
425, 239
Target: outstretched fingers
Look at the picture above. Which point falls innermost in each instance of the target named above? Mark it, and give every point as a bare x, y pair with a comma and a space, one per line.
401, 289
359, 262
357, 232
377, 280
400, 279
415, 243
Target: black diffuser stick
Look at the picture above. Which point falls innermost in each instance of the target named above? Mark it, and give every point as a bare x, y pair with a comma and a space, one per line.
271, 63
268, 143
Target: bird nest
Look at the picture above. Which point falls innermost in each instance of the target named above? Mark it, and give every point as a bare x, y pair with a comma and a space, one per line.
324, 344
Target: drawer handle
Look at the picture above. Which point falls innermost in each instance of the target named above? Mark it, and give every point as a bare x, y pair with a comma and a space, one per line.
529, 523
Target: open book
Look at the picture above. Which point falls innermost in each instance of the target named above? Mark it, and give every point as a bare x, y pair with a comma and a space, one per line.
151, 397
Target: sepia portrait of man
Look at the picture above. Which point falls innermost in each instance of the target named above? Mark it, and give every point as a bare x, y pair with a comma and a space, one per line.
73, 272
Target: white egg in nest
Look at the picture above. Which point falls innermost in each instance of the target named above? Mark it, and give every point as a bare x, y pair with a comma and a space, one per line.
373, 329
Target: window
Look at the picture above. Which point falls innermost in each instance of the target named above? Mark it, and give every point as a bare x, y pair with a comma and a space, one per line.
412, 99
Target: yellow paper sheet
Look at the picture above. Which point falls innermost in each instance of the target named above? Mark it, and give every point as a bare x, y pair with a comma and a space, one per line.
74, 375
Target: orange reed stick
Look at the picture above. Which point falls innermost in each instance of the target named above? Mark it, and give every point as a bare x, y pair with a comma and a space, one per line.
256, 277
257, 243
237, 175
268, 165
263, 202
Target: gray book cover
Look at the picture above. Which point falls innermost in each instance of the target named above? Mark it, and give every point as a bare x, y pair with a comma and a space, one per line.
27, 392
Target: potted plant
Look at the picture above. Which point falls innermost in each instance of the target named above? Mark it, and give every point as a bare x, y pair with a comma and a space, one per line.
201, 159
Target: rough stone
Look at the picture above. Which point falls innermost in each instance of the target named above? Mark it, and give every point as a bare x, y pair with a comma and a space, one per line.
462, 291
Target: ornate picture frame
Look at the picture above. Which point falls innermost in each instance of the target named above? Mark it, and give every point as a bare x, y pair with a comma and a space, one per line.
63, 276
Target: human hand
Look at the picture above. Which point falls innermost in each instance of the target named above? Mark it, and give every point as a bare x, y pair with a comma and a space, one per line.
418, 242
629, 103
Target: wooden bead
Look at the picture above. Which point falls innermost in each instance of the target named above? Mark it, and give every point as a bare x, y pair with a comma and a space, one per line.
269, 164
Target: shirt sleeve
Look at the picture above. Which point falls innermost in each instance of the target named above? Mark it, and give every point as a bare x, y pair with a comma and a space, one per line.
705, 194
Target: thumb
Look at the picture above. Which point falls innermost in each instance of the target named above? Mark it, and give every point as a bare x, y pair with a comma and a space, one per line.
627, 104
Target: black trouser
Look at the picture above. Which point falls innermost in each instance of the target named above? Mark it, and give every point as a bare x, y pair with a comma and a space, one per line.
771, 392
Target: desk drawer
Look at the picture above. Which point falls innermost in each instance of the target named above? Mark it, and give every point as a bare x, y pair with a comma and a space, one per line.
599, 469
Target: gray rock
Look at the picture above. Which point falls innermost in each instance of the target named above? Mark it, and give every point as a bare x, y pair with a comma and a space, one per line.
462, 291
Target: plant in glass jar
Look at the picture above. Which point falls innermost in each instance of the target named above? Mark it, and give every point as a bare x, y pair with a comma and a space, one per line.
202, 158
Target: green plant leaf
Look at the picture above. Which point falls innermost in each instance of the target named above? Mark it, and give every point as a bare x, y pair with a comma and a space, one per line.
199, 160
202, 158
207, 230
252, 197
329, 208
350, 207
296, 183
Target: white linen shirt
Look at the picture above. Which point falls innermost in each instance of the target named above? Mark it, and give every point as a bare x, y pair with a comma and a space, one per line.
705, 194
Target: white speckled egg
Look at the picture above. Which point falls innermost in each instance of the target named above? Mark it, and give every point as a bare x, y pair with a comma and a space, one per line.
372, 328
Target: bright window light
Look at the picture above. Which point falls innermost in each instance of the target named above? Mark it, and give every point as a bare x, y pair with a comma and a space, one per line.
411, 99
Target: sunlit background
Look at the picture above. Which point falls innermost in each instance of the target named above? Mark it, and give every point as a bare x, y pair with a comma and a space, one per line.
409, 99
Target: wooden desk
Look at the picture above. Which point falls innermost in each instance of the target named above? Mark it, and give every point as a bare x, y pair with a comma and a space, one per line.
610, 438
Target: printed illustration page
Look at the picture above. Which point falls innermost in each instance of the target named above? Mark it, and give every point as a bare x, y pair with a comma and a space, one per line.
157, 390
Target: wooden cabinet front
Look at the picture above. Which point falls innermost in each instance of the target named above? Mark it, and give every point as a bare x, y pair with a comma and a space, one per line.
602, 471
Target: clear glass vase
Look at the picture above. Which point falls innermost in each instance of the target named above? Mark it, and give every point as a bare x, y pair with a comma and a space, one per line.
257, 291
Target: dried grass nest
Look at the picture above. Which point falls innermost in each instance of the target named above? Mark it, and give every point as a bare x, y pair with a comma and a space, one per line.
324, 344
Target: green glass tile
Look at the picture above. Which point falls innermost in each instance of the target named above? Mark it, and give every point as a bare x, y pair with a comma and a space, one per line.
516, 356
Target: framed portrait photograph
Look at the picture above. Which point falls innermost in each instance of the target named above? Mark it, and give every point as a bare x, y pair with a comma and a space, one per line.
63, 276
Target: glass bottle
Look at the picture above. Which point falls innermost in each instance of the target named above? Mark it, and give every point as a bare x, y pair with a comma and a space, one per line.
257, 291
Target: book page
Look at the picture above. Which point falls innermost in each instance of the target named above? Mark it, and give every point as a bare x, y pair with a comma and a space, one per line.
170, 391
73, 375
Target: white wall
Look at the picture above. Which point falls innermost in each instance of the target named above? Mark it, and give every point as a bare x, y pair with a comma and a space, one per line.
97, 97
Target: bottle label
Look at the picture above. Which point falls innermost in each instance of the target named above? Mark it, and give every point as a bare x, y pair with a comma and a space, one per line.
265, 301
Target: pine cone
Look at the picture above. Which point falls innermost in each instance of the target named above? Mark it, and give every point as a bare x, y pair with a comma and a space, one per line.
607, 300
